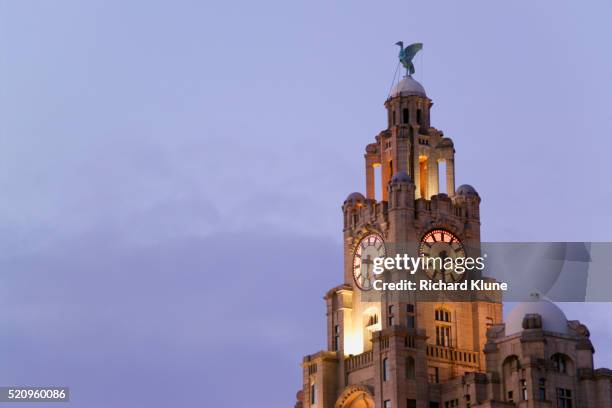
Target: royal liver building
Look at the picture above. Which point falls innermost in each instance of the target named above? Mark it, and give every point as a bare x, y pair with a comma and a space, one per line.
394, 352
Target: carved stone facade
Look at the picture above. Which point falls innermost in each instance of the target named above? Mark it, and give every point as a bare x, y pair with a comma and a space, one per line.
397, 352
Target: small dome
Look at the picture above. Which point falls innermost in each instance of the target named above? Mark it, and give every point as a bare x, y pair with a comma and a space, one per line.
553, 318
355, 197
401, 177
407, 87
466, 190
445, 142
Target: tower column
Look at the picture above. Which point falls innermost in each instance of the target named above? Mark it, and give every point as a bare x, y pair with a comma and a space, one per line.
450, 177
370, 182
434, 180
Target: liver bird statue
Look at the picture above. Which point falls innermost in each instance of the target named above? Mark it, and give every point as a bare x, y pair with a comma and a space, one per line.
407, 54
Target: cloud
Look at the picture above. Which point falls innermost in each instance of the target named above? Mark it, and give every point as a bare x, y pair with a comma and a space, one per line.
157, 322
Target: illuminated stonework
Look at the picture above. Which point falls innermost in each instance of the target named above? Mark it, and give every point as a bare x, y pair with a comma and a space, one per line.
401, 353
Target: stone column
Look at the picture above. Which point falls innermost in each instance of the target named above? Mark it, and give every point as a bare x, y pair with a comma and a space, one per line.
450, 177
370, 183
434, 180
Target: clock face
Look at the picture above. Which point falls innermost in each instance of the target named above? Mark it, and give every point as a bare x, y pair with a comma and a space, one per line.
369, 248
442, 245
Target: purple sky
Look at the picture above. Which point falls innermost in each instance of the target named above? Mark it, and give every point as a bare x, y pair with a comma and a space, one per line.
172, 174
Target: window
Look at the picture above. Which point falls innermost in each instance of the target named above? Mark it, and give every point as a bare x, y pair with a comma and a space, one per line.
434, 375
419, 116
510, 397
443, 336
542, 389
336, 337
385, 369
443, 331
313, 394
405, 115
390, 318
410, 316
560, 363
451, 404
387, 404
410, 403
524, 390
393, 122
433, 404
442, 315
564, 398
468, 400
409, 367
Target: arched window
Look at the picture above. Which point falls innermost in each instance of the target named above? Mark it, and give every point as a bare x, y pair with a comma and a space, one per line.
409, 367
561, 363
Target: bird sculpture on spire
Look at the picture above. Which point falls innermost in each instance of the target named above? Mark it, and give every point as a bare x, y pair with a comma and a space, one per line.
407, 54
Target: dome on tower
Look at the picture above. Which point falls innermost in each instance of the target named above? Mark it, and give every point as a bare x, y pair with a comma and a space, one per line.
406, 87
553, 318
401, 177
354, 198
466, 190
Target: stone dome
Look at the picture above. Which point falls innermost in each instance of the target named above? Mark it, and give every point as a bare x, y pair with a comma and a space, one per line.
445, 142
355, 197
401, 177
553, 318
466, 190
408, 86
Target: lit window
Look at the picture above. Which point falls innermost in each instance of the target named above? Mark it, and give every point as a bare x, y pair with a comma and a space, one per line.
443, 336
387, 404
442, 315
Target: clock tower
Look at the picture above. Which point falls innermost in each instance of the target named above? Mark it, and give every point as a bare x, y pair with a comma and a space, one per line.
394, 348
391, 350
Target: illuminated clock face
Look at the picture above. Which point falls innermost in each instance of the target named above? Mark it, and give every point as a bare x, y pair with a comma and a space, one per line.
441, 245
369, 248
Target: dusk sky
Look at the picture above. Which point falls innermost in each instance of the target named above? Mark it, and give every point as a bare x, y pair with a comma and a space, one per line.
172, 174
